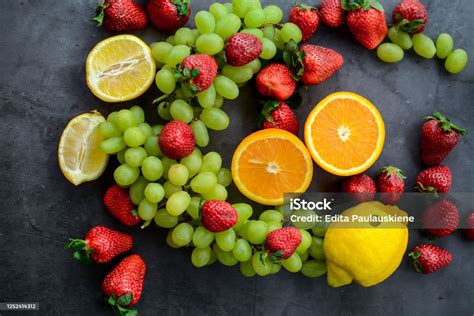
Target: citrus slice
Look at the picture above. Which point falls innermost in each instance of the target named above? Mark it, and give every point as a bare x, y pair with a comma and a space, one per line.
79, 154
344, 133
269, 163
120, 68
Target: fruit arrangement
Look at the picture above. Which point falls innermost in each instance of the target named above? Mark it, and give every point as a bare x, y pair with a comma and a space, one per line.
166, 178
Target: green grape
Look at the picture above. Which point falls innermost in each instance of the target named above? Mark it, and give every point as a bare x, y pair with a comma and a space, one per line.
165, 220
205, 22
207, 98
134, 156
139, 114
305, 242
192, 163
269, 49
255, 18
314, 268
254, 31
242, 7
271, 216
202, 238
134, 137
178, 202
226, 239
271, 226
160, 51
165, 81
147, 210
154, 192
164, 111
152, 168
182, 234
444, 45
108, 130
203, 182
255, 65
244, 211
257, 231
125, 175
170, 40
177, 54
225, 257
273, 14
178, 174
303, 224
242, 250
167, 163
293, 263
209, 43
224, 177
215, 119
238, 74
156, 129
456, 61
146, 129
289, 32
201, 134
319, 229
213, 258
228, 7
390, 53
170, 189
275, 268
151, 146
121, 155
246, 268
137, 190
268, 32
218, 10
226, 87
113, 145
277, 40
195, 34
169, 240
125, 119
304, 256
228, 25
238, 226
261, 268
182, 111
194, 207
200, 256
400, 38
184, 36
212, 162
316, 249
244, 229
112, 117
423, 45
219, 100
218, 192
180, 94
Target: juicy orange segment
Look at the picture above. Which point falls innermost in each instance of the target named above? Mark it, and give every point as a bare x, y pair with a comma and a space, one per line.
269, 163
344, 133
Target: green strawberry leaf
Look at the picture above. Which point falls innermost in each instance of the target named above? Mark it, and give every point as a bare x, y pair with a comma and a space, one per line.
125, 299
376, 5
390, 171
100, 14
194, 73
446, 123
265, 114
182, 6
135, 212
82, 253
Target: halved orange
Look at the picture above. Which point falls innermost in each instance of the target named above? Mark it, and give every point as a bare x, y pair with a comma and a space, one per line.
269, 163
344, 133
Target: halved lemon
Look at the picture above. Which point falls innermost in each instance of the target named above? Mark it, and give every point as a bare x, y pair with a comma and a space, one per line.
120, 68
344, 133
269, 163
79, 154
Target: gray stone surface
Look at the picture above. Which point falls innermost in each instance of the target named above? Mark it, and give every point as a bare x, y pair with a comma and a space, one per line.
42, 85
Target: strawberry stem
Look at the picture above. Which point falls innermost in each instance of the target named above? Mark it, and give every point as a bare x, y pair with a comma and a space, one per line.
182, 6
82, 253
100, 14
445, 123
391, 170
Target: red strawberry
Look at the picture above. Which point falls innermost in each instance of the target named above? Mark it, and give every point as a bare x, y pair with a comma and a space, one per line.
118, 203
361, 185
199, 71
410, 16
434, 179
277, 114
242, 48
319, 63
276, 81
438, 138
441, 219
390, 181
469, 227
168, 15
429, 258
120, 15
218, 216
176, 140
282, 243
306, 18
366, 21
123, 286
331, 13
101, 244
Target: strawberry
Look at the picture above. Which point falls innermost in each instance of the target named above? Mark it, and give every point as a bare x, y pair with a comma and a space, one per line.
276, 81
434, 179
469, 227
410, 16
176, 140
441, 219
198, 72
218, 216
101, 244
331, 13
306, 18
366, 21
168, 15
118, 203
282, 243
277, 114
361, 185
242, 48
438, 138
390, 180
123, 286
120, 15
319, 64
429, 258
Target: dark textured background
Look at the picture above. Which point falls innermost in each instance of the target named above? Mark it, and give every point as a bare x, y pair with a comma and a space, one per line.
44, 45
